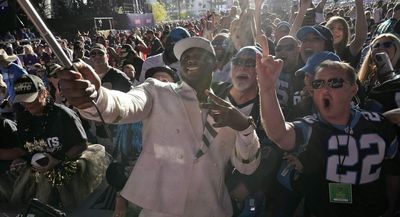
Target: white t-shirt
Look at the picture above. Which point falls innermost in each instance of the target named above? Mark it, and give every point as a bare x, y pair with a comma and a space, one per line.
224, 74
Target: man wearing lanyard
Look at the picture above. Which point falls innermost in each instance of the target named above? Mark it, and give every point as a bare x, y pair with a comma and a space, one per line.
344, 148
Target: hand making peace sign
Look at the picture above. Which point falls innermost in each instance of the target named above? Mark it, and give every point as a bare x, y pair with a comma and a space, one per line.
267, 68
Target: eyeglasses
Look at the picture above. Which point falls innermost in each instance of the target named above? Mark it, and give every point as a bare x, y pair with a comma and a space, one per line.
221, 43
334, 83
386, 44
94, 53
288, 47
244, 62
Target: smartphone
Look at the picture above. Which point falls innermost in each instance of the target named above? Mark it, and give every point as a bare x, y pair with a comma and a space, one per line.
385, 68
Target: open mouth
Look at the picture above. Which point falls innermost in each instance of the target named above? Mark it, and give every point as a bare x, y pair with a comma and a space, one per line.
327, 103
192, 68
242, 77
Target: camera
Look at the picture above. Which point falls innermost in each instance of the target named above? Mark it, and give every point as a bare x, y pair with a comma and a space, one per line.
385, 68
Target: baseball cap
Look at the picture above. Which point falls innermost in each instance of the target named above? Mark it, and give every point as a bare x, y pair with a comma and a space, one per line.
178, 34
283, 24
250, 51
319, 30
27, 87
151, 71
98, 46
52, 69
192, 42
314, 61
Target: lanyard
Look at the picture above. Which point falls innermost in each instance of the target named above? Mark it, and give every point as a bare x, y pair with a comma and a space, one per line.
348, 131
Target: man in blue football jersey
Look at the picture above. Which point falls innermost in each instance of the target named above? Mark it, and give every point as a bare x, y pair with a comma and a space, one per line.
344, 149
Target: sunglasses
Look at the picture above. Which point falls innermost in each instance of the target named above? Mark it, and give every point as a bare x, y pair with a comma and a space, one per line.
288, 47
244, 62
94, 53
387, 44
334, 83
223, 44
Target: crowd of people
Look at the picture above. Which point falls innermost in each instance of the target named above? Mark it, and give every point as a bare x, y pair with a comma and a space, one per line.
250, 113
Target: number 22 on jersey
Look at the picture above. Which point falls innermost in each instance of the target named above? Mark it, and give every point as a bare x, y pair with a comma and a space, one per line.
360, 163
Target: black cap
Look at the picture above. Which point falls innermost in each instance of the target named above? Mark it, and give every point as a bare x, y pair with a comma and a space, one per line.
319, 30
150, 72
27, 87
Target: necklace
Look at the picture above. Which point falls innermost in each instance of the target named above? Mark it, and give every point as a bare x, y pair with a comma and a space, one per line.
348, 131
42, 120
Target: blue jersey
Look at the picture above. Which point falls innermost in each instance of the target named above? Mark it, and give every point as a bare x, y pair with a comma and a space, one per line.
288, 88
352, 154
10, 75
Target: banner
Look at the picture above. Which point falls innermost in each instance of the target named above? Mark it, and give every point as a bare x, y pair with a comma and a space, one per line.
130, 21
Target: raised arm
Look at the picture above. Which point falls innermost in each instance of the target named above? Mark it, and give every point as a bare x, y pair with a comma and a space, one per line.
301, 13
257, 15
268, 70
361, 29
83, 90
320, 6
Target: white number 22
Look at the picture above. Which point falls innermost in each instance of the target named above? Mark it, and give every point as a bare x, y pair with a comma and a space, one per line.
352, 158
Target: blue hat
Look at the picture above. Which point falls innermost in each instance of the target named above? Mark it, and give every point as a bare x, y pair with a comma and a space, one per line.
250, 51
314, 61
319, 30
178, 33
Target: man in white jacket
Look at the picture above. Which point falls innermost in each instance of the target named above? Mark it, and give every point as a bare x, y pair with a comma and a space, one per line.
189, 135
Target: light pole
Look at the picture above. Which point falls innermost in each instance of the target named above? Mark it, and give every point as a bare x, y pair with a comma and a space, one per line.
179, 9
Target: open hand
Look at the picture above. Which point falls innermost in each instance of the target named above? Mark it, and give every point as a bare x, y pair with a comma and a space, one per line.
225, 114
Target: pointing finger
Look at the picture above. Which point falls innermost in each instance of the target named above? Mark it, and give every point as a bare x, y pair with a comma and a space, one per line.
216, 99
262, 39
211, 106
